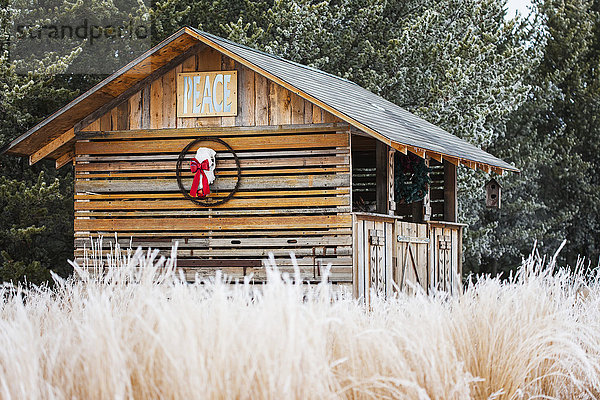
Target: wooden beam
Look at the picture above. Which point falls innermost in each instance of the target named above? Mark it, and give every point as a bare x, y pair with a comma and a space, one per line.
309, 141
138, 86
52, 146
225, 183
452, 160
427, 199
469, 163
484, 167
381, 180
436, 156
497, 170
450, 192
65, 159
216, 223
400, 147
417, 151
214, 131
390, 182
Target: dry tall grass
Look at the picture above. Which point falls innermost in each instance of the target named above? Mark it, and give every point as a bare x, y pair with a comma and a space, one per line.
137, 335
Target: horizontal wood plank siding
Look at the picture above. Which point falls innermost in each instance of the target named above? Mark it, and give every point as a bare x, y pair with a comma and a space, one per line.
294, 195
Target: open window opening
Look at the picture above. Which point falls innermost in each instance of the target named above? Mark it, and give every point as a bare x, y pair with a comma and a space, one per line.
386, 181
364, 174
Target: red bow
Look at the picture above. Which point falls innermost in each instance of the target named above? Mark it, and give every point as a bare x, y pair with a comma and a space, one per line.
198, 168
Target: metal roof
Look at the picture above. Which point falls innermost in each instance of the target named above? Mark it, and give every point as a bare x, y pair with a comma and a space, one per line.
347, 100
356, 104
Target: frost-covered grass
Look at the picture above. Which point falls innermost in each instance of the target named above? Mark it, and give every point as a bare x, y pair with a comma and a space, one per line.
143, 333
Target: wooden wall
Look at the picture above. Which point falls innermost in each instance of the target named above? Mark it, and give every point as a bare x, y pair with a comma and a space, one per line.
436, 190
260, 101
364, 174
294, 192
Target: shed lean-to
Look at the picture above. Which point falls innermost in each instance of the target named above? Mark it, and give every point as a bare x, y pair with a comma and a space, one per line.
311, 157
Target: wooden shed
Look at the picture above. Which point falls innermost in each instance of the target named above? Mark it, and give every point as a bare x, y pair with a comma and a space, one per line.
304, 161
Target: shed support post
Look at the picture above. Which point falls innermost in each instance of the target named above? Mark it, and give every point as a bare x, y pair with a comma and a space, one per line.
391, 191
450, 192
381, 181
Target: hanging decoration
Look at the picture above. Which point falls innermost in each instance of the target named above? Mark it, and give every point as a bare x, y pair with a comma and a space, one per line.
493, 190
202, 165
411, 177
203, 168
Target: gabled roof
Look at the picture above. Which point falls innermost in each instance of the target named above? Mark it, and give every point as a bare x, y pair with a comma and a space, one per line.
348, 101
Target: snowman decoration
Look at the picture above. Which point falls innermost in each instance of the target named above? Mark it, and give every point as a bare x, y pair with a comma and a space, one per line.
203, 168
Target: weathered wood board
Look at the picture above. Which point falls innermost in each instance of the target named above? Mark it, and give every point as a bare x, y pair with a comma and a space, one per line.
201, 94
446, 256
373, 255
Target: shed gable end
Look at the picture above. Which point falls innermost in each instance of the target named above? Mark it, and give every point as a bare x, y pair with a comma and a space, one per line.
261, 102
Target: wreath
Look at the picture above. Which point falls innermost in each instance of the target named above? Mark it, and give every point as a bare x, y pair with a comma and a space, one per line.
411, 177
206, 201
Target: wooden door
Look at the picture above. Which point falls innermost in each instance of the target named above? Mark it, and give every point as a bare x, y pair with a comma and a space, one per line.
412, 257
445, 257
373, 243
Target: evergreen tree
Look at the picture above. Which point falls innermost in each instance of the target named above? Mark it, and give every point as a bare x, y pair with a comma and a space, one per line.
36, 228
36, 202
553, 138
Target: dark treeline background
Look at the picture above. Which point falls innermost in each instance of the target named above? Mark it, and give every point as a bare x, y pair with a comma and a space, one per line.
523, 88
